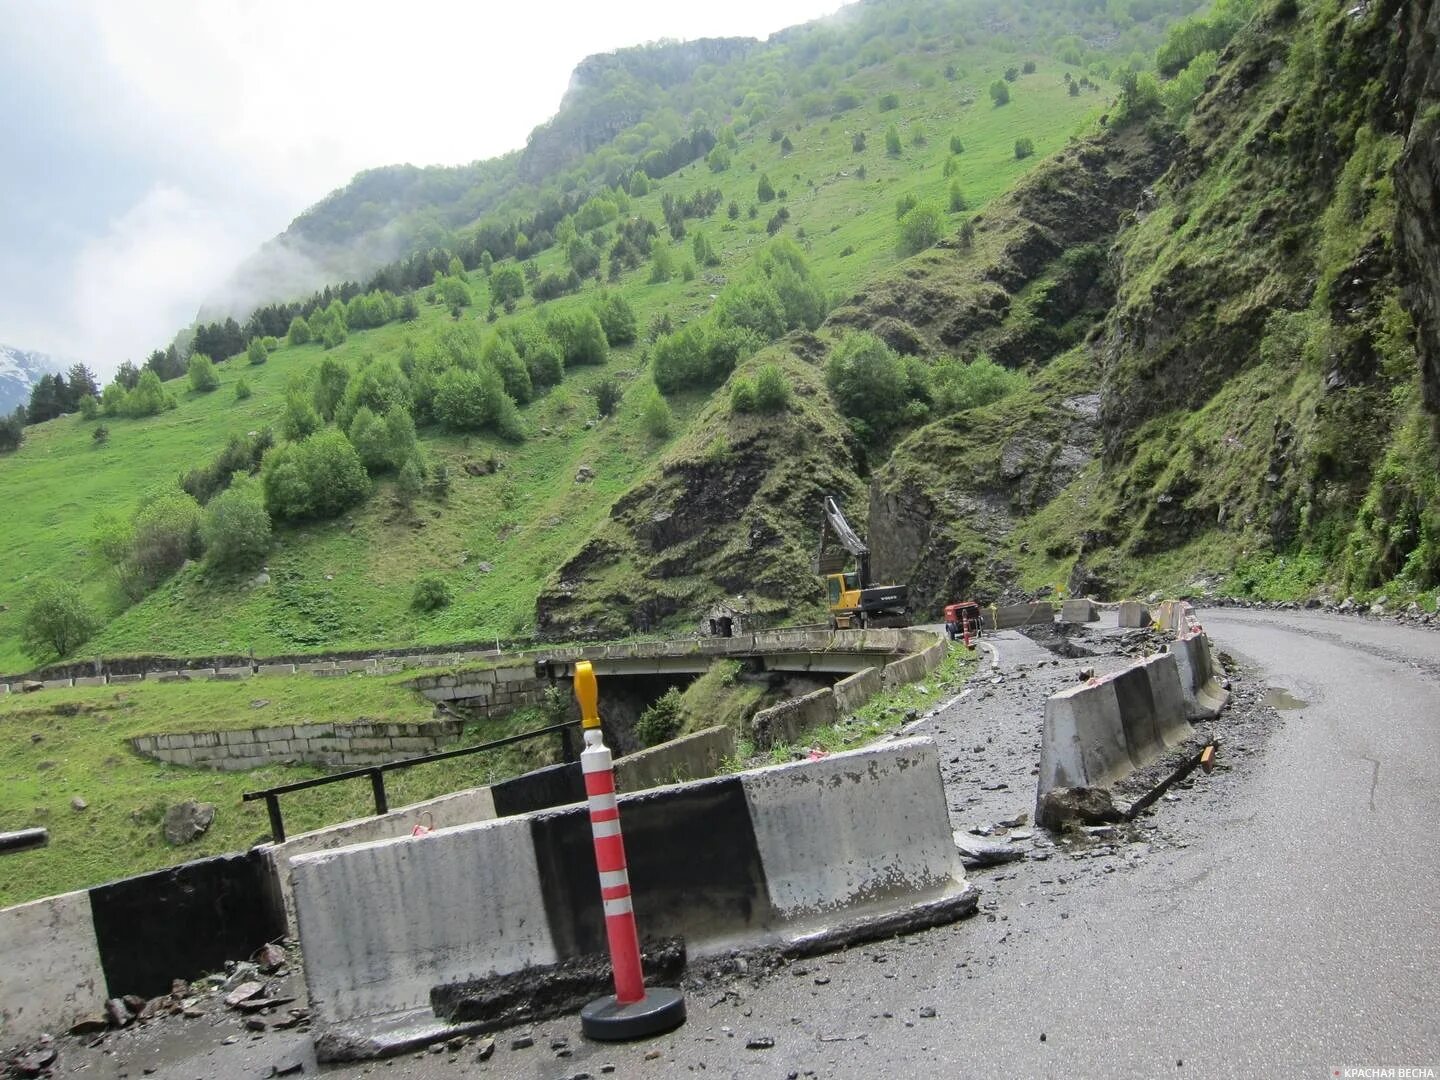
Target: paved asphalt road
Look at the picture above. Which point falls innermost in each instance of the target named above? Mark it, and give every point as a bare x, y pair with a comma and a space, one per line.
1278, 918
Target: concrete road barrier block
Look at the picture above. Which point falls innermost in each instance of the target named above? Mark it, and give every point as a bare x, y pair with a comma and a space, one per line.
690, 757
382, 923
52, 973
1082, 610
1200, 676
1133, 615
57, 684
1168, 696
275, 669
858, 828
90, 680
1082, 742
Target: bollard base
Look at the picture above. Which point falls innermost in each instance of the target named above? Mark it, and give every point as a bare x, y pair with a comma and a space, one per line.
660, 1010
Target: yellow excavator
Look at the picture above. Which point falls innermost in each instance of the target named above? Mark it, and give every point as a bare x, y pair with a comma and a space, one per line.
853, 601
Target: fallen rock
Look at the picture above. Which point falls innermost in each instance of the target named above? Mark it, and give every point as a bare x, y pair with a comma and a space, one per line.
270, 958
89, 1024
77, 804
1084, 805
976, 852
243, 992
118, 1013
36, 1062
584, 474
187, 821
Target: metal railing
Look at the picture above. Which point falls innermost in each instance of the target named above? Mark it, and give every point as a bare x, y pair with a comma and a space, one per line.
376, 773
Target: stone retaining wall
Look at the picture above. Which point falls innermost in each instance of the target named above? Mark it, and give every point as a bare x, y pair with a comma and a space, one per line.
344, 745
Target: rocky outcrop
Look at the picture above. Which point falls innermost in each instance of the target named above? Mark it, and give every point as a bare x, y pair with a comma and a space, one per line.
1417, 189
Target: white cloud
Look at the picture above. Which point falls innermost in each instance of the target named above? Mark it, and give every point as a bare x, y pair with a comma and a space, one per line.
136, 284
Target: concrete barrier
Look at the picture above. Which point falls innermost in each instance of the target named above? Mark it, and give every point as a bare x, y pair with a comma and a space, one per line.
855, 690
1098, 732
801, 857
1133, 615
1013, 615
788, 721
1199, 677
275, 669
1082, 610
447, 811
690, 757
51, 969
89, 680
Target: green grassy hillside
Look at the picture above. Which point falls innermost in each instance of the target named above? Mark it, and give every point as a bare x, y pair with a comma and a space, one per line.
347, 583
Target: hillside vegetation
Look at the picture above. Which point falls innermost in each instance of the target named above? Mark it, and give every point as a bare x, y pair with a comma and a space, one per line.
504, 500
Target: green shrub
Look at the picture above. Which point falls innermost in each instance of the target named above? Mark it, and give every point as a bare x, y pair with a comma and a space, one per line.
432, 592
410, 481
999, 92
165, 532
321, 476
920, 228
772, 391
580, 336
236, 528
742, 395
957, 386
892, 141
201, 373
299, 332
867, 380
764, 190
500, 354
607, 396
89, 408
888, 102
701, 354
661, 721
655, 415
242, 389
617, 317
958, 202
1024, 147
752, 304
256, 352
56, 621
956, 146
300, 417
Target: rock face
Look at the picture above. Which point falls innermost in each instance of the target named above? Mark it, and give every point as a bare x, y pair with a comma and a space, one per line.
1417, 189
187, 821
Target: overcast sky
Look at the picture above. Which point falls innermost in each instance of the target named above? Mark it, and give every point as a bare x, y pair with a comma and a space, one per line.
147, 146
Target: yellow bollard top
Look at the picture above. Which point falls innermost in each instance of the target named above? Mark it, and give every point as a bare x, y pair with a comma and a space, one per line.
588, 694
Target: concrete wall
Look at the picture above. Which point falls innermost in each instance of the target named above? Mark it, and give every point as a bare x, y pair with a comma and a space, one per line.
788, 721
690, 757
490, 692
1200, 676
50, 974
853, 692
853, 841
351, 745
1082, 610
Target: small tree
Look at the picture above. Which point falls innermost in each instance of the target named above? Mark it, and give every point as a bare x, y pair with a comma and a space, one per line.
857, 142
764, 190
999, 92
888, 102
1024, 147
742, 395
867, 380
956, 146
958, 201
242, 389
655, 415
100, 436
56, 621
202, 374
507, 284
410, 482
662, 263
236, 528
904, 204
607, 396
299, 332
892, 141
920, 229
256, 352
1028, 67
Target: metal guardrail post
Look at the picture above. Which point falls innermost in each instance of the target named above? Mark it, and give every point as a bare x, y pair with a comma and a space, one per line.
377, 784
277, 823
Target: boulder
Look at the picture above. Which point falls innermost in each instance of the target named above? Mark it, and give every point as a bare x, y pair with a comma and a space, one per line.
187, 821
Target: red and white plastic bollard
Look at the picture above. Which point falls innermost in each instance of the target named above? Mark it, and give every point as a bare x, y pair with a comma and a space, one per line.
633, 1011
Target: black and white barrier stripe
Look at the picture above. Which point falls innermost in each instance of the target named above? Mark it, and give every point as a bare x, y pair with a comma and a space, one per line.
63, 956
800, 856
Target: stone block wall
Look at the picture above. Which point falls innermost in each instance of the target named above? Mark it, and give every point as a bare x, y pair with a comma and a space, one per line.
491, 692
332, 745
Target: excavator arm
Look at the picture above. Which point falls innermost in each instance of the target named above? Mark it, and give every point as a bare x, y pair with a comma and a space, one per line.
839, 543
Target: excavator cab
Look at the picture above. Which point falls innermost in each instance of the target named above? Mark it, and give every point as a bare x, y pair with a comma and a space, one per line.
854, 601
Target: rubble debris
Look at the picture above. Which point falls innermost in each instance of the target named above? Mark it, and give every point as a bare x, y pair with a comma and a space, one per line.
1083, 805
